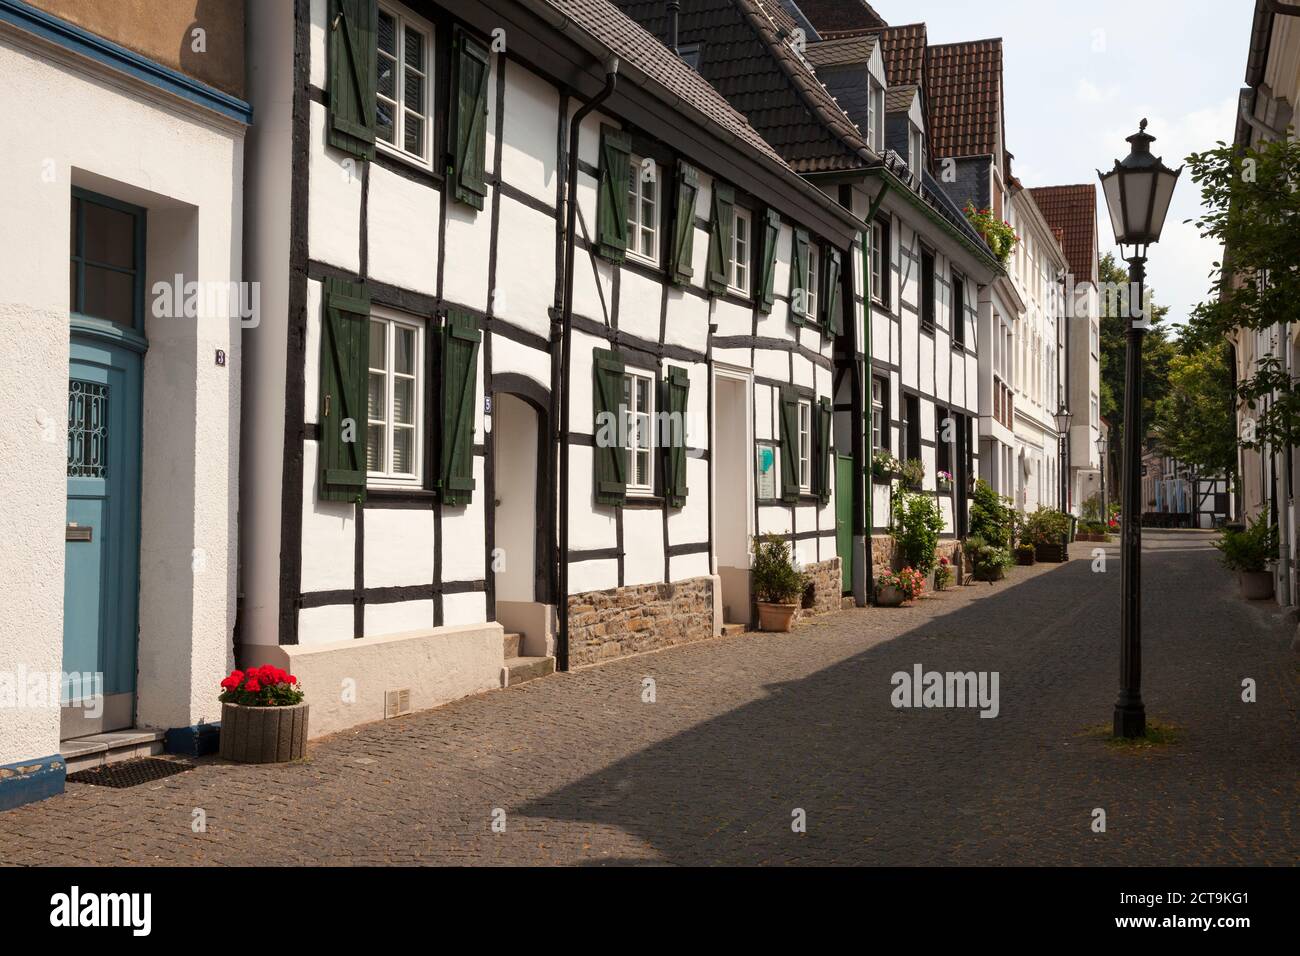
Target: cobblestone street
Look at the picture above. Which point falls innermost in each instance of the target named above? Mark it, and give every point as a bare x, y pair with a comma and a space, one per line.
746, 729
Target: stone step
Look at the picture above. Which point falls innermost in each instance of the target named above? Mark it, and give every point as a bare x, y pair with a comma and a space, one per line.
95, 750
513, 643
520, 669
729, 629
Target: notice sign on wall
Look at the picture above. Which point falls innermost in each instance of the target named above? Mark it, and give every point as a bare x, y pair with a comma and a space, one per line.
766, 472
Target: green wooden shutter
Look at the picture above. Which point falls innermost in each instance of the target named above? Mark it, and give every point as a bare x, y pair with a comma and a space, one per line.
676, 392
767, 277
344, 368
789, 434
607, 402
830, 296
688, 187
721, 222
468, 120
460, 344
799, 277
822, 423
353, 27
611, 204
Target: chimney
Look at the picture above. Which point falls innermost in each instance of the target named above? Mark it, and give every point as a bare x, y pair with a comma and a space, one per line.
674, 7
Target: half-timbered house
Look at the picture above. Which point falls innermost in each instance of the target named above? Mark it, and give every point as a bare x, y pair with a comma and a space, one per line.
478, 440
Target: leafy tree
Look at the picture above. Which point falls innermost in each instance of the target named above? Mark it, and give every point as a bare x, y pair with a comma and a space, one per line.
1195, 420
1252, 207
1158, 350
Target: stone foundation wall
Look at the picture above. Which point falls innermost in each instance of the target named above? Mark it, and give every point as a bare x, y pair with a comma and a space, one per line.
643, 617
828, 586
884, 555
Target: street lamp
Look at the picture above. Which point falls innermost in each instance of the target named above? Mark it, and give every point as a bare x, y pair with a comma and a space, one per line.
1063, 417
1101, 458
1138, 191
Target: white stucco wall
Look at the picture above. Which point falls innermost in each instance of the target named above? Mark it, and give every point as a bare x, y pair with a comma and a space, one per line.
97, 129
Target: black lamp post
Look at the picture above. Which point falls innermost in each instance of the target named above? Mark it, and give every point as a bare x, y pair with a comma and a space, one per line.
1138, 191
1101, 459
1063, 417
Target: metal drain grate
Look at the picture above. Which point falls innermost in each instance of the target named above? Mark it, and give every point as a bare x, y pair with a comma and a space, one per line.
129, 773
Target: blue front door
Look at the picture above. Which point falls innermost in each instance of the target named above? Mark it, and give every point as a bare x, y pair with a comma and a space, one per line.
102, 569
101, 582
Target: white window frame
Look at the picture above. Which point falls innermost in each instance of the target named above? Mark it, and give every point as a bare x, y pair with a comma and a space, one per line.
387, 477
878, 423
814, 282
804, 449
879, 261
403, 18
637, 229
635, 443
741, 257
915, 144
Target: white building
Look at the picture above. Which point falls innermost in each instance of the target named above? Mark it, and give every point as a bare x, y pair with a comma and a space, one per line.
422, 275
1037, 268
123, 165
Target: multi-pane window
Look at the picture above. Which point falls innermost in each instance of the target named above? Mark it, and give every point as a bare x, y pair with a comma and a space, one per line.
876, 116
814, 283
880, 277
878, 421
1096, 340
393, 416
405, 90
805, 445
958, 311
914, 148
927, 289
638, 431
106, 276
741, 252
643, 210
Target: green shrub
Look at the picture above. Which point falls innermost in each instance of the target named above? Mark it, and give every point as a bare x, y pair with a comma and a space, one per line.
986, 557
1046, 526
992, 520
917, 525
1249, 550
773, 573
912, 472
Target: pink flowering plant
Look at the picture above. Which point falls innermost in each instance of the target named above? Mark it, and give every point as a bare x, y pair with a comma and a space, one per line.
910, 581
265, 686
997, 233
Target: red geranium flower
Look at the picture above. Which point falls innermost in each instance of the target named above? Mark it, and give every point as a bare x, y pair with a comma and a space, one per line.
253, 686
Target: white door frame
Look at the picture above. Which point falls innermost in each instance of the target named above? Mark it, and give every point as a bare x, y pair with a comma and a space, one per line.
745, 376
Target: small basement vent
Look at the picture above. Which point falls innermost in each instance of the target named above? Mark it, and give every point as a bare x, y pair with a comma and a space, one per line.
397, 702
129, 773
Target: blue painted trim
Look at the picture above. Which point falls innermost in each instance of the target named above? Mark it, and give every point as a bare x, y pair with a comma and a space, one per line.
196, 741
74, 38
30, 780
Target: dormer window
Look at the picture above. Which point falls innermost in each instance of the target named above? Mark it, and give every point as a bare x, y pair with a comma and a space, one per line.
875, 116
915, 146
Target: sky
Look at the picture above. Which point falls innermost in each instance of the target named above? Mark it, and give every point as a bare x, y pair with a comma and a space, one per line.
1079, 76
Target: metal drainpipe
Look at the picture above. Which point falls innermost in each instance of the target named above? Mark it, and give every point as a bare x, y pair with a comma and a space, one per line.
566, 333
869, 589
1285, 598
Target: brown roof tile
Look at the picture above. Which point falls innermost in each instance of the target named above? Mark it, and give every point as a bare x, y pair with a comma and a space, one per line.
964, 88
1071, 211
841, 51
840, 14
898, 99
746, 53
903, 48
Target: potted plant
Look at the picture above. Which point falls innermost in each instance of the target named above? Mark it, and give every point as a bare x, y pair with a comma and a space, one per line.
1248, 553
912, 474
944, 478
895, 587
1049, 531
263, 716
1024, 553
884, 466
942, 574
989, 561
778, 586
918, 522
997, 233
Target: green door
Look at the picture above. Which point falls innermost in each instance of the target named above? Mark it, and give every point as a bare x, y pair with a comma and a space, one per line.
101, 583
844, 518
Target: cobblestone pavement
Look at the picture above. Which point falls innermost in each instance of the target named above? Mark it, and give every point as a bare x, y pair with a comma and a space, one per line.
746, 729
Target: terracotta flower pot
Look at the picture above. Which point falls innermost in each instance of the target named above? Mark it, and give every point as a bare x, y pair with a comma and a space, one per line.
890, 596
1256, 585
263, 734
776, 617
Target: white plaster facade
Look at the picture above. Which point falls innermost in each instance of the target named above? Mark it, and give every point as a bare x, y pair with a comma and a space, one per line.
78, 122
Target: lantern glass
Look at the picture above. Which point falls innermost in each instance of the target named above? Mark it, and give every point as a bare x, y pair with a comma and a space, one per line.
1063, 419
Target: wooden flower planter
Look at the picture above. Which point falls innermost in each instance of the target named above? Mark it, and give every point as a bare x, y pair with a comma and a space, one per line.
1025, 557
263, 734
1055, 553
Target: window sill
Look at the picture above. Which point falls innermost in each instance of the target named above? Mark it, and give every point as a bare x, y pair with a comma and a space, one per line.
642, 501
405, 165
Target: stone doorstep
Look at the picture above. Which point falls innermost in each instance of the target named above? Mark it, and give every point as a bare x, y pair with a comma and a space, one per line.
511, 643
520, 669
95, 750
